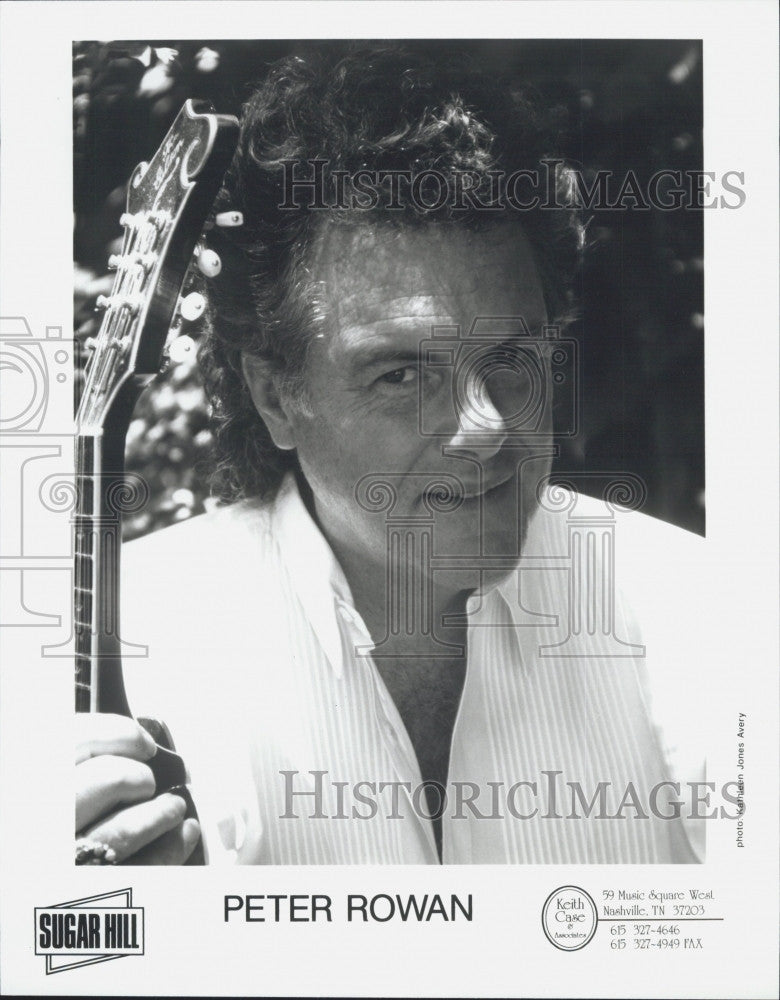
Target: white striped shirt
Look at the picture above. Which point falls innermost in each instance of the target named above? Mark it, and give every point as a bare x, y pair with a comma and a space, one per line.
295, 748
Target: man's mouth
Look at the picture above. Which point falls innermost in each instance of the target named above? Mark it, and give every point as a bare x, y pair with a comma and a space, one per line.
467, 490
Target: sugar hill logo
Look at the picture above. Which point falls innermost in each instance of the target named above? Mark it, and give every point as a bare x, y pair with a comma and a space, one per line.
569, 918
90, 930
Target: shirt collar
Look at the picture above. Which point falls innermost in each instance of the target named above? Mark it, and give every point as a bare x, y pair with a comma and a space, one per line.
324, 592
500, 604
317, 577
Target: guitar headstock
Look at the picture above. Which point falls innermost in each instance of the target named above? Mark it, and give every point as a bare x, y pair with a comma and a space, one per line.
168, 201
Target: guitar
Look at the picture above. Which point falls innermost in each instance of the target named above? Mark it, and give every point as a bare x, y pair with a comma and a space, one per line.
168, 202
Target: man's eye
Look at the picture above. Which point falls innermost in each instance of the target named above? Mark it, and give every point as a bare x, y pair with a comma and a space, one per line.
399, 376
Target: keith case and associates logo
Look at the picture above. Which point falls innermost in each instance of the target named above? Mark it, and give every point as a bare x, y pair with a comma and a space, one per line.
89, 930
569, 918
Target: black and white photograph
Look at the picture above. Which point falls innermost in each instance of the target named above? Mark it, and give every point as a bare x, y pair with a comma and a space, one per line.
386, 478
424, 341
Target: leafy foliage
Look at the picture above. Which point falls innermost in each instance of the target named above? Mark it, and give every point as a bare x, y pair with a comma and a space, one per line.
625, 105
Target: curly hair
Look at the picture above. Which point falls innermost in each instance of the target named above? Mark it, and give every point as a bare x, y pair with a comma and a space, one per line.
386, 107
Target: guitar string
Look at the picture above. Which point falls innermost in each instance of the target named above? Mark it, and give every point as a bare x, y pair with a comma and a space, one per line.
114, 339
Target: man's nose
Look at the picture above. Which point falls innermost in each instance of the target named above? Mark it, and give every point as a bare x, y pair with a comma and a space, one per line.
481, 428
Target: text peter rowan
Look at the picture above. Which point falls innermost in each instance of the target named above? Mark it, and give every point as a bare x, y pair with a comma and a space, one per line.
380, 908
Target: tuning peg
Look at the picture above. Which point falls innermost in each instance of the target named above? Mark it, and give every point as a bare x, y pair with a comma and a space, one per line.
131, 221
146, 260
159, 218
209, 263
180, 348
193, 306
131, 302
114, 261
229, 219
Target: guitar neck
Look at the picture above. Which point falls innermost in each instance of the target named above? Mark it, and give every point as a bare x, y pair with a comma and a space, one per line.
102, 494
168, 202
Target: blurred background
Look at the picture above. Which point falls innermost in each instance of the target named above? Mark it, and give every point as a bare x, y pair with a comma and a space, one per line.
625, 105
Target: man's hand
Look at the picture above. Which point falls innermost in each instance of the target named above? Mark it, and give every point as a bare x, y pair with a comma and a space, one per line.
115, 788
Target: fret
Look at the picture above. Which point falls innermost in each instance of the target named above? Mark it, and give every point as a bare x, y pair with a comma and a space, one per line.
84, 572
83, 682
86, 558
85, 458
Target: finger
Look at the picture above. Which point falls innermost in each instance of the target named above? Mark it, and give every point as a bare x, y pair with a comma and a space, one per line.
102, 733
103, 783
128, 830
173, 848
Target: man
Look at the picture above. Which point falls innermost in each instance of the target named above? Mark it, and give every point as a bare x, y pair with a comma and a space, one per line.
397, 644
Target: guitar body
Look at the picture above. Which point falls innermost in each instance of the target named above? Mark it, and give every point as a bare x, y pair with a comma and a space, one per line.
168, 202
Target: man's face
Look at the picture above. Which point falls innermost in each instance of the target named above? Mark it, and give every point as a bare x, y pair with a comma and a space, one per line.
375, 409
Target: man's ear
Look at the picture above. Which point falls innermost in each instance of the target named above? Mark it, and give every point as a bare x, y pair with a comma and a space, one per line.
263, 388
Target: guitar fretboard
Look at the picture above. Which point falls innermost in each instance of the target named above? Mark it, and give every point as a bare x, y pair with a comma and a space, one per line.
97, 540
84, 569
